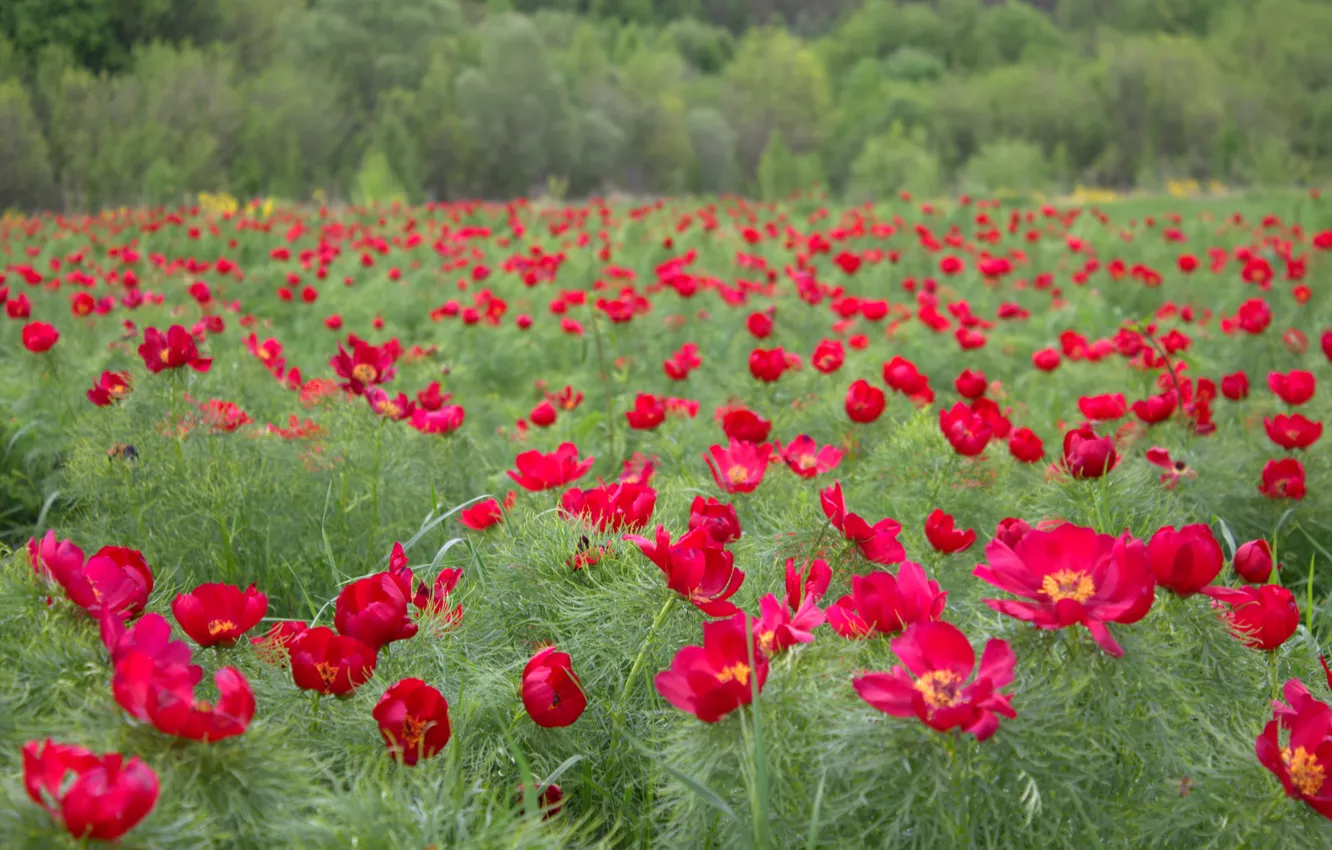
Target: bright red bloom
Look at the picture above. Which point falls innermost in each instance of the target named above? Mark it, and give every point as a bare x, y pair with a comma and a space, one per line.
110, 388
162, 694
718, 519
882, 604
1087, 455
969, 384
966, 431
712, 680
1072, 576
92, 796
219, 613
537, 471
1184, 561
759, 324
944, 536
374, 611
150, 635
806, 459
901, 375
876, 543
611, 507
1103, 408
738, 468
543, 415
1283, 479
223, 416
114, 579
1011, 530
172, 350
1235, 386
330, 663
366, 365
1293, 432
1025, 446
778, 628
431, 398
695, 567
864, 403
743, 424
482, 515
552, 695
1263, 617
1155, 409
649, 412
828, 356
1174, 469
445, 420
413, 720
767, 365
1047, 360
940, 660
39, 337
1294, 388
396, 408
1253, 561
1304, 763
807, 584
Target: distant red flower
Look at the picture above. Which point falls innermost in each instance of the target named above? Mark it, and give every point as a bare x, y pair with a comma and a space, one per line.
366, 365
966, 431
1303, 764
903, 376
738, 468
223, 416
809, 583
1293, 432
779, 628
1262, 617
718, 519
1047, 359
431, 398
1283, 479
864, 403
162, 694
804, 457
214, 614
743, 424
1253, 561
1184, 561
611, 507
759, 324
881, 604
552, 695
1011, 530
944, 537
537, 471
695, 568
828, 356
767, 365
1071, 576
1235, 386
396, 408
445, 420
1294, 388
1103, 408
543, 415
374, 611
649, 412
329, 663
876, 543
98, 797
1088, 455
940, 660
110, 388
1174, 469
39, 337
1155, 409
970, 385
172, 350
1025, 446
712, 680
482, 515
413, 720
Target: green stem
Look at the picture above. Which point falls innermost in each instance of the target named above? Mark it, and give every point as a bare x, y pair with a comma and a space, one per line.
374, 483
604, 377
642, 653
1276, 688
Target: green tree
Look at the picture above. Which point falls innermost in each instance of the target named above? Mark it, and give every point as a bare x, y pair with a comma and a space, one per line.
26, 179
776, 85
892, 163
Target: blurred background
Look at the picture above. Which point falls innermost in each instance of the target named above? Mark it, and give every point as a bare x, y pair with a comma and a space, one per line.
111, 102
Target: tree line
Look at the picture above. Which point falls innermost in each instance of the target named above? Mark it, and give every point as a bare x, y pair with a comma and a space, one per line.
109, 102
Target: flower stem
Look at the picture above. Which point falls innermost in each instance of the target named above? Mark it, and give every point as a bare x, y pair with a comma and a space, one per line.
642, 653
374, 482
604, 376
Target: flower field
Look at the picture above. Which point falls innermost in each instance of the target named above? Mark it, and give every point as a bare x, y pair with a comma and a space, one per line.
684, 523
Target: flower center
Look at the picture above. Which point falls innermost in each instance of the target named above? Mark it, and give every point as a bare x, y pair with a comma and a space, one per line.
737, 474
117, 390
1306, 774
808, 462
391, 410
738, 672
413, 730
1068, 584
216, 627
364, 372
327, 672
940, 688
165, 355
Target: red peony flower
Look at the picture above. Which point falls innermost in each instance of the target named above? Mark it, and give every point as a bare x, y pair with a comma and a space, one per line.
1025, 446
712, 680
39, 337
537, 471
1087, 455
374, 611
99, 797
1184, 561
944, 536
695, 567
966, 431
877, 543
161, 693
329, 663
1263, 617
274, 645
214, 614
172, 350
1253, 561
882, 604
1283, 479
611, 507
864, 403
718, 519
110, 388
1293, 432
1303, 764
649, 412
739, 468
552, 695
809, 583
804, 457
482, 515
779, 628
366, 365
413, 719
1294, 388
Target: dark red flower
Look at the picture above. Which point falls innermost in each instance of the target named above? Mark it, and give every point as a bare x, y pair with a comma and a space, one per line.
1303, 764
1283, 479
1263, 617
876, 543
366, 365
738, 468
712, 680
944, 537
374, 611
1103, 408
482, 515
779, 628
172, 350
804, 457
767, 365
1184, 561
101, 797
110, 388
1294, 388
1011, 530
970, 385
1155, 409
864, 403
552, 695
1088, 455
649, 412
114, 579
695, 567
940, 660
219, 613
611, 507
740, 423
881, 604
1253, 561
329, 663
413, 720
1235, 386
1293, 432
718, 519
966, 431
1025, 446
1047, 359
537, 471
39, 337
809, 583
158, 692
828, 356
543, 415
901, 375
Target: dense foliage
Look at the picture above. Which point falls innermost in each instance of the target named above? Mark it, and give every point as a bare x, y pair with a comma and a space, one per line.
357, 452
106, 102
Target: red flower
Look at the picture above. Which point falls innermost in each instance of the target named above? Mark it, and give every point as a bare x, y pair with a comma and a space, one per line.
970, 385
1293, 432
944, 537
1087, 455
611, 507
395, 408
649, 412
941, 660
431, 398
374, 611
1011, 530
161, 693
1283, 479
1294, 388
219, 613
1303, 764
552, 695
1155, 409
1184, 561
828, 356
877, 543
1047, 360
778, 628
745, 425
1174, 469
767, 365
172, 350
738, 468
537, 471
367, 365
1102, 408
1025, 446
1253, 562
92, 796
150, 635
1263, 617
1235, 386
696, 568
1072, 576
39, 337
274, 645
718, 519
759, 324
223, 416
110, 388
413, 720
884, 605
806, 459
966, 431
329, 663
446, 420
712, 680
901, 375
114, 579
808, 584
543, 415
482, 515
864, 403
